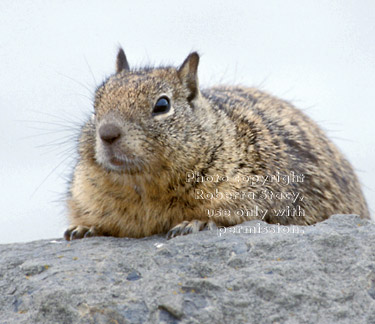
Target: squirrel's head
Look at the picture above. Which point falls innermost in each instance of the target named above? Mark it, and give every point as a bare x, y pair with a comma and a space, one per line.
149, 119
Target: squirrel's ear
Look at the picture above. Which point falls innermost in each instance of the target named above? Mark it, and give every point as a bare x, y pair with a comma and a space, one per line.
121, 61
188, 74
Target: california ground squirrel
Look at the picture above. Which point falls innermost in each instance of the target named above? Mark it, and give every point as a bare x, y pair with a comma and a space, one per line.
159, 155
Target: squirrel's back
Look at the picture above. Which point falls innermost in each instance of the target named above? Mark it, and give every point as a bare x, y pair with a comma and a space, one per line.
282, 140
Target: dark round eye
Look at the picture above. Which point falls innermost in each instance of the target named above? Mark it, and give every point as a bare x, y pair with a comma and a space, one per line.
162, 106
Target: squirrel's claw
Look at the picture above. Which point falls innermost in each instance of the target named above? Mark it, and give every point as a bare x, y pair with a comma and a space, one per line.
187, 227
78, 232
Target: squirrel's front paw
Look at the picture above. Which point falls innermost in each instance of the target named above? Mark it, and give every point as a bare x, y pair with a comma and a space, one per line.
77, 232
187, 227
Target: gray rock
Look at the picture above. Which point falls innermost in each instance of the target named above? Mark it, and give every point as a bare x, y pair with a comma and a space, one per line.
324, 273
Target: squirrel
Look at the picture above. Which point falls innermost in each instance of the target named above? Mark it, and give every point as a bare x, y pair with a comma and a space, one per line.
162, 156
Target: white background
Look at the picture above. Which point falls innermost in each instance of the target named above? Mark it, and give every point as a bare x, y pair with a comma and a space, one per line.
318, 54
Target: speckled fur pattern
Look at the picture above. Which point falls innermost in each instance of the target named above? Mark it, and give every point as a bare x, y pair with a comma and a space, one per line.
232, 132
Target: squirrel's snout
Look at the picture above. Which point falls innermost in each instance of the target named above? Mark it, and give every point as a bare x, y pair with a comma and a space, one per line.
109, 133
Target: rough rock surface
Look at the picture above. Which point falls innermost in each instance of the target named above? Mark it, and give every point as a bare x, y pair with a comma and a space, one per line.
324, 275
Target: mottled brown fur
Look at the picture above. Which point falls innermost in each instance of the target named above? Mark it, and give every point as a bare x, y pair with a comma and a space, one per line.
225, 131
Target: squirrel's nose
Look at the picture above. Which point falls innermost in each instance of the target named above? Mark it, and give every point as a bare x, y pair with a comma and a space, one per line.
109, 133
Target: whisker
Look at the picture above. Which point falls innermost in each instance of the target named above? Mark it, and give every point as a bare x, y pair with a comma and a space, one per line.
65, 119
88, 65
48, 132
76, 81
89, 98
53, 146
47, 123
343, 139
49, 174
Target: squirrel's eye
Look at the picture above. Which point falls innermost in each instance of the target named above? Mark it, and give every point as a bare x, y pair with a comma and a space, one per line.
162, 106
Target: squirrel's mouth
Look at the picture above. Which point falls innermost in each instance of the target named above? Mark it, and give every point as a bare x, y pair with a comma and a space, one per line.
117, 162
122, 164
